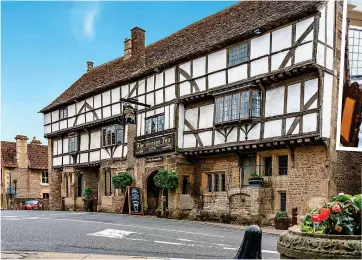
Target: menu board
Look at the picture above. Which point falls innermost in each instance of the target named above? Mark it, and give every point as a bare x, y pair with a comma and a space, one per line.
132, 201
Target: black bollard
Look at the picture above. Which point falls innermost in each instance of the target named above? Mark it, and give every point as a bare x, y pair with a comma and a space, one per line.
250, 248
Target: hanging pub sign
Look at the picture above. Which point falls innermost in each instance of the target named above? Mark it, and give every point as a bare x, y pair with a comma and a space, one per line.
158, 144
129, 114
132, 201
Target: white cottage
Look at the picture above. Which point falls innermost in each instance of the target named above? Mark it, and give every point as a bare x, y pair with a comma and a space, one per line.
248, 91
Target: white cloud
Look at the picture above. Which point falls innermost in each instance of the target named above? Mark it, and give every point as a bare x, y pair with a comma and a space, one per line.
83, 19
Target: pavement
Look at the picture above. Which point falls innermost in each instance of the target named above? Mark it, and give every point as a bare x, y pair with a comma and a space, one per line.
93, 235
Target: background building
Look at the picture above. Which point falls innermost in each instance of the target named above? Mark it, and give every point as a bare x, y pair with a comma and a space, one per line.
25, 167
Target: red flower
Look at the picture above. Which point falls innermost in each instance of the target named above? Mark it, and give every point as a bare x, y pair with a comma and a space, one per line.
336, 208
324, 213
316, 217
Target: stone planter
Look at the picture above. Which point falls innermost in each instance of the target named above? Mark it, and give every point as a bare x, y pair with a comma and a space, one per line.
282, 223
293, 244
88, 205
256, 182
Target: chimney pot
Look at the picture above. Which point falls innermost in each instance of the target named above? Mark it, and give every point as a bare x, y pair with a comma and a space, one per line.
89, 65
34, 141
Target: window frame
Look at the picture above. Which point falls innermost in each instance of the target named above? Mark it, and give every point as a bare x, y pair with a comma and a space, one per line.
244, 96
284, 170
63, 113
239, 61
81, 184
45, 197
148, 124
73, 136
213, 184
45, 177
283, 197
114, 138
270, 170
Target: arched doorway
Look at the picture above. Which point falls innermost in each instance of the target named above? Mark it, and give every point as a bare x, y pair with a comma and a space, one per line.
154, 194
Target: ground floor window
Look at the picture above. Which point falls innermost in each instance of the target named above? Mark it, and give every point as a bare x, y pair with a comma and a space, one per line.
283, 201
45, 195
215, 182
283, 165
185, 185
66, 186
268, 166
81, 184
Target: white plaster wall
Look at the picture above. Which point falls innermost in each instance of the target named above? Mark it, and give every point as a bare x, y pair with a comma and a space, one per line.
198, 67
65, 145
143, 115
84, 139
310, 123
189, 141
116, 109
124, 150
201, 83
150, 99
288, 123
293, 100
106, 98
55, 147
150, 84
181, 120
217, 79
282, 38
327, 104
65, 159
63, 124
170, 76
167, 117
116, 94
89, 101
330, 22
274, 102
71, 110
218, 138
329, 60
320, 54
99, 113
322, 25
131, 87
55, 161
104, 154
238, 73
141, 87
304, 52
71, 121
106, 111
47, 118
94, 156
159, 80
187, 68
47, 129
55, 127
277, 59
310, 88
95, 140
83, 157
216, 61
97, 101
254, 133
125, 90
79, 106
55, 115
125, 134
301, 27
89, 117
159, 110
206, 116
159, 96
170, 93
60, 146
259, 46
191, 116
272, 128
142, 99
81, 119
150, 113
118, 152
233, 136
172, 115
259, 66
185, 88
206, 138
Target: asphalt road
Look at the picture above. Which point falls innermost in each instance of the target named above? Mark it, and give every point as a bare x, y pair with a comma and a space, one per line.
101, 233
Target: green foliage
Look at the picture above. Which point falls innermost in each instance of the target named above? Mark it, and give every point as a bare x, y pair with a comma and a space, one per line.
87, 193
344, 217
282, 214
254, 175
122, 180
166, 180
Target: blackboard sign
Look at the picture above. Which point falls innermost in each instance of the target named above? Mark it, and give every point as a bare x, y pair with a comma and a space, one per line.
132, 201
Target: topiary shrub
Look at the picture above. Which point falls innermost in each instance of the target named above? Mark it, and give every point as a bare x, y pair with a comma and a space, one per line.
122, 180
87, 193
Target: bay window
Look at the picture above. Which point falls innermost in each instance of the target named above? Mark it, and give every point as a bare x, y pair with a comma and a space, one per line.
155, 124
73, 143
112, 135
238, 106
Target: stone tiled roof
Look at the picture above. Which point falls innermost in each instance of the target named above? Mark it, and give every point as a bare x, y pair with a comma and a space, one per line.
37, 155
211, 33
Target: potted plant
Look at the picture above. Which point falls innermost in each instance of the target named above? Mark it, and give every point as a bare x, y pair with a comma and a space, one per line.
122, 180
256, 180
281, 220
159, 212
88, 199
332, 231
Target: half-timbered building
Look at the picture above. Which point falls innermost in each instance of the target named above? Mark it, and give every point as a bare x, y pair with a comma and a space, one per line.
249, 90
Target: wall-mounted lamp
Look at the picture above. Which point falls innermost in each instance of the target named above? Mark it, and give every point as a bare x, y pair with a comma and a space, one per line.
259, 31
157, 70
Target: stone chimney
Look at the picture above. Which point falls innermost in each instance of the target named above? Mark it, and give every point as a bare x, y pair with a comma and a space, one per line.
34, 141
22, 151
138, 42
127, 48
89, 65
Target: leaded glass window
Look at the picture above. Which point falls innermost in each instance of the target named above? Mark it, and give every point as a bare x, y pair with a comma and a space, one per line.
238, 54
155, 124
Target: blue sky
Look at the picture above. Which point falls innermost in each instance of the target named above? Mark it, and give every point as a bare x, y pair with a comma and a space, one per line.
45, 47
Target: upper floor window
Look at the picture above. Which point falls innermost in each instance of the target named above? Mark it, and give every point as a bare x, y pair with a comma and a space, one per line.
283, 165
73, 143
44, 177
63, 113
355, 53
112, 135
244, 105
238, 54
155, 124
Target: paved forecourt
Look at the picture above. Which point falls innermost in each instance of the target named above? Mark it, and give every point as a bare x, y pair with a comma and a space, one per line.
102, 233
